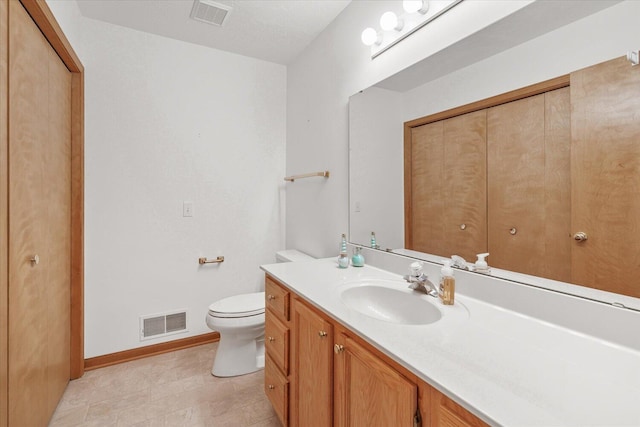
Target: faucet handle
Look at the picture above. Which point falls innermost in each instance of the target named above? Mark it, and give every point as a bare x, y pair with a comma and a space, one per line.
416, 269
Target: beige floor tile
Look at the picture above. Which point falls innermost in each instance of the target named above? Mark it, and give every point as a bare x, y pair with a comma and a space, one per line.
169, 390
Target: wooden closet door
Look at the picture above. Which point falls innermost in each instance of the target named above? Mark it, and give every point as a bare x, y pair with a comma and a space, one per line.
516, 185
448, 187
557, 183
605, 171
57, 149
427, 204
465, 185
528, 185
39, 223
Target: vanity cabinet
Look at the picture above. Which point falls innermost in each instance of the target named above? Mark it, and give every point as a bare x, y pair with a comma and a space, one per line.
445, 412
335, 378
276, 342
312, 355
368, 391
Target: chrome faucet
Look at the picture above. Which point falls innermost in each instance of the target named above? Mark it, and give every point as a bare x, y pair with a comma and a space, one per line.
420, 282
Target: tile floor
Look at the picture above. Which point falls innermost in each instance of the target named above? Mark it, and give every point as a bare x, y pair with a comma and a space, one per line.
172, 389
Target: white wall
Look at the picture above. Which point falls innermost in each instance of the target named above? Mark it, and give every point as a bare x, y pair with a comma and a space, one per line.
319, 83
168, 122
337, 65
376, 168
603, 36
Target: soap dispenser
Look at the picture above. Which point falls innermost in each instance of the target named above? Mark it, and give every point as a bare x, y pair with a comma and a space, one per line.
447, 288
343, 258
481, 264
357, 260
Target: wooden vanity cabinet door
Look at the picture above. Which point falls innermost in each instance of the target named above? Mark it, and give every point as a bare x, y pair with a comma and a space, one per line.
312, 371
368, 392
276, 387
447, 413
276, 299
276, 341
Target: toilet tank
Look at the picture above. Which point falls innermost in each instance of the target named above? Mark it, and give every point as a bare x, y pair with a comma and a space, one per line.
292, 255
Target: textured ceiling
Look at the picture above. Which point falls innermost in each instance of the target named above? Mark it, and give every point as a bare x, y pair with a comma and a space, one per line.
272, 30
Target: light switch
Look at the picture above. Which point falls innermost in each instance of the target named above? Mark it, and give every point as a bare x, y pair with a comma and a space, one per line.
187, 209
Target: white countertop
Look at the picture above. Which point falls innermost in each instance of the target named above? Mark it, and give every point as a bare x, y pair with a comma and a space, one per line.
507, 368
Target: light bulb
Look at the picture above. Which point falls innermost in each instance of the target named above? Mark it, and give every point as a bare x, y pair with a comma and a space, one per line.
411, 6
389, 21
369, 37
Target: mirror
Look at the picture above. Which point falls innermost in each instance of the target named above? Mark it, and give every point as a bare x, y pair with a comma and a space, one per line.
377, 114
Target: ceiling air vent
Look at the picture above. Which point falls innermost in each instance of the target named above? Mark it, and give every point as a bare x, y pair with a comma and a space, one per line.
210, 12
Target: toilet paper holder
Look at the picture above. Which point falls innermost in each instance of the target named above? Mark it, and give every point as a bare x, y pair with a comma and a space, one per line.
204, 260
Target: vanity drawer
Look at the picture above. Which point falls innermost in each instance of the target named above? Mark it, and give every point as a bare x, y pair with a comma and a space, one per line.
276, 341
276, 387
276, 298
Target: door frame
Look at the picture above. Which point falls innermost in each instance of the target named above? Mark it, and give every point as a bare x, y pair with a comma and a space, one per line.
46, 22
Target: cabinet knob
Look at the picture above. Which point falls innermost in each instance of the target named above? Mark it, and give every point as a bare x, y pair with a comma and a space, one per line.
580, 236
513, 231
463, 226
322, 334
271, 339
35, 260
271, 297
271, 386
338, 348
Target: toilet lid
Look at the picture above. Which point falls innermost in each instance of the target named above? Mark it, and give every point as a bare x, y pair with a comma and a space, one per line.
239, 306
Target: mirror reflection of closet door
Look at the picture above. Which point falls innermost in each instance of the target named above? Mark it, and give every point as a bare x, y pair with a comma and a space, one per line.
605, 166
448, 190
528, 184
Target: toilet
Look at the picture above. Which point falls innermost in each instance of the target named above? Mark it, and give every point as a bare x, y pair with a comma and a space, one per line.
240, 321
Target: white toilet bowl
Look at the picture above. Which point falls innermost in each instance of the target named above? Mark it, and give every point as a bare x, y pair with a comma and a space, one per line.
240, 321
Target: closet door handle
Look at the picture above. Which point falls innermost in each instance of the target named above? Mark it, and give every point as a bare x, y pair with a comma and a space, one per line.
580, 236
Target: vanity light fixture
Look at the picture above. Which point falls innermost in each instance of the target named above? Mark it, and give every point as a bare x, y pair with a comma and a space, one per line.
394, 28
370, 37
412, 6
390, 21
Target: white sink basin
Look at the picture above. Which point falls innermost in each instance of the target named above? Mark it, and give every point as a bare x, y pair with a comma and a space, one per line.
391, 302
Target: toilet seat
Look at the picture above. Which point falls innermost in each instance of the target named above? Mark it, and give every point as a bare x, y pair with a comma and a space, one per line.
244, 305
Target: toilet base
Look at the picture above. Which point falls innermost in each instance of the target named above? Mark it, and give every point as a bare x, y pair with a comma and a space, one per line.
238, 357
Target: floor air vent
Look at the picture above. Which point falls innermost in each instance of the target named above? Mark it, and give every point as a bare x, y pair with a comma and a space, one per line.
210, 12
158, 325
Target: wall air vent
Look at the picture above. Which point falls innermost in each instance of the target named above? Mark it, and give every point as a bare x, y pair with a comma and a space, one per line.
210, 12
159, 325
